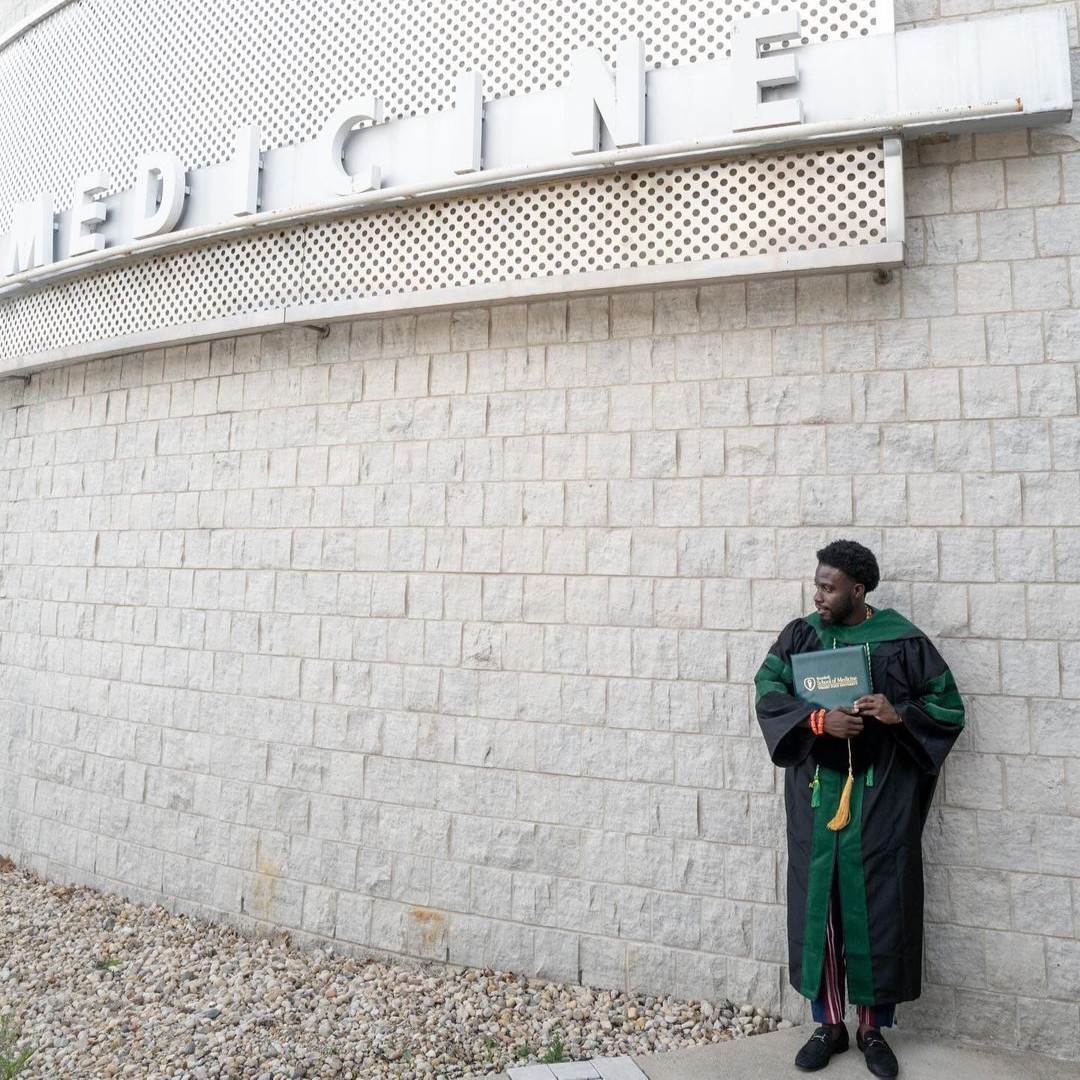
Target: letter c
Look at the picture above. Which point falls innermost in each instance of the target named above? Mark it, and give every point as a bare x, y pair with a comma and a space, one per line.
335, 137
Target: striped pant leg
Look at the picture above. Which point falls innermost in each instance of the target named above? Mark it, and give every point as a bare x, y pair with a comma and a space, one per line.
876, 1016
828, 1007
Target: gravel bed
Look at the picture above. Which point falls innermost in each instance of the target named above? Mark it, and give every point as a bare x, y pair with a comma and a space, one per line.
100, 987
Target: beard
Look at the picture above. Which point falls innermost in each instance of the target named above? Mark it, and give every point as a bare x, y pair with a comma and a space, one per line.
840, 613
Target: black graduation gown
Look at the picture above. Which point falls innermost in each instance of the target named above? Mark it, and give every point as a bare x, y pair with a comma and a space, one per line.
877, 858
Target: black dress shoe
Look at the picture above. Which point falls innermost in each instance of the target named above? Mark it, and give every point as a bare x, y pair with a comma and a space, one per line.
880, 1059
821, 1046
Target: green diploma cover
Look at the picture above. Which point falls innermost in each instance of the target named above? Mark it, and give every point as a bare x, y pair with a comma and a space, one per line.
832, 678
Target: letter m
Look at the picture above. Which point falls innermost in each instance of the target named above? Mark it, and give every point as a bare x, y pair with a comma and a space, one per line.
30, 242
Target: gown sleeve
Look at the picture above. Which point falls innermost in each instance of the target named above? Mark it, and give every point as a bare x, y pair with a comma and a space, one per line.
779, 712
931, 721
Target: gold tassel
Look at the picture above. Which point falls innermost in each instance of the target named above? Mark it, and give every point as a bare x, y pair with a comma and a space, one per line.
843, 811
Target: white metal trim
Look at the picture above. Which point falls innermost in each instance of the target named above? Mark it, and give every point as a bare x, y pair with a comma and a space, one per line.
158, 338
885, 14
821, 261
893, 151
826, 260
44, 12
803, 135
885, 20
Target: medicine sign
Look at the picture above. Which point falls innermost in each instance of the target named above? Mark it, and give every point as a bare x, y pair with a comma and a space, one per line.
772, 93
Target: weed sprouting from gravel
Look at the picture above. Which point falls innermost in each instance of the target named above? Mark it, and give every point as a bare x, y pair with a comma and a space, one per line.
12, 1059
554, 1052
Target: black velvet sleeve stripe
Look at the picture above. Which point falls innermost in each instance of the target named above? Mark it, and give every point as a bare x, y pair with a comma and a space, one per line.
779, 712
933, 719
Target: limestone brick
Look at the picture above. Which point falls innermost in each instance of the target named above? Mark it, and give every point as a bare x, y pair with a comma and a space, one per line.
983, 287
1015, 962
1041, 284
978, 186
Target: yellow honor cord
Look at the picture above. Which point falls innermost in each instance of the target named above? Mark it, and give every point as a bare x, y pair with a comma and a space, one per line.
843, 812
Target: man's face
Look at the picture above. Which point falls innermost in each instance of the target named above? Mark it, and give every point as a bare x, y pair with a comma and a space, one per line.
835, 594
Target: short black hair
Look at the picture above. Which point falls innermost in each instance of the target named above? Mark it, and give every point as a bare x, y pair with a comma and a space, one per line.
853, 559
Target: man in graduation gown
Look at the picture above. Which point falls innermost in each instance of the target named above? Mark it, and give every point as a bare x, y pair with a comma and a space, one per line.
855, 895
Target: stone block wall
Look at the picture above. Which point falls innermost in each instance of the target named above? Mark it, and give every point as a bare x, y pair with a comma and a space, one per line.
435, 635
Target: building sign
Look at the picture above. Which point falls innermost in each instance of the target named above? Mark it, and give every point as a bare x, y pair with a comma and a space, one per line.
771, 92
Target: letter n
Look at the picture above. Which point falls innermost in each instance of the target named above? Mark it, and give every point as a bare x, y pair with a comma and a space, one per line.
594, 94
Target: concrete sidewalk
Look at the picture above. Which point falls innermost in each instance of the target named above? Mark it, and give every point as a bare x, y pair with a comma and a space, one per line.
771, 1057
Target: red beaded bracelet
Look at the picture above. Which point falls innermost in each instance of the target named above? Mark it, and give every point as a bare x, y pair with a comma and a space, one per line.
817, 721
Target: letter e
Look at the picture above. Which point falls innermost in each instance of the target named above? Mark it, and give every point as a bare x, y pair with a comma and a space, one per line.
752, 72
87, 211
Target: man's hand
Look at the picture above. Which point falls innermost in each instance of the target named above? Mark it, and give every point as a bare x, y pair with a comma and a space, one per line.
843, 723
879, 707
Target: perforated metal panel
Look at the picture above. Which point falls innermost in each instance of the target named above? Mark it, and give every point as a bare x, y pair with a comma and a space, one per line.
728, 210
258, 273
831, 198
106, 80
